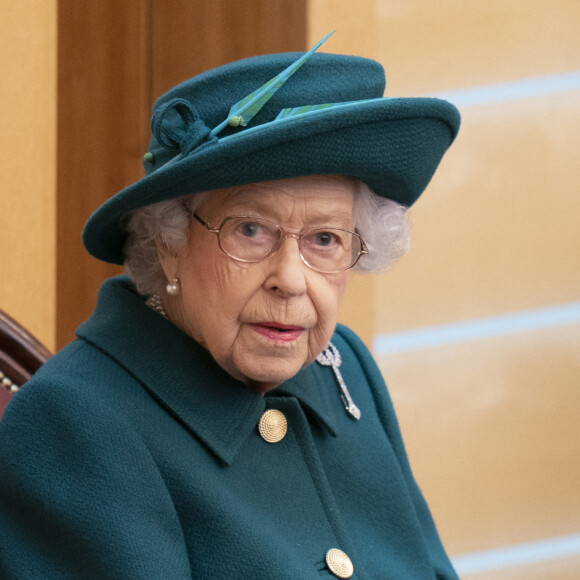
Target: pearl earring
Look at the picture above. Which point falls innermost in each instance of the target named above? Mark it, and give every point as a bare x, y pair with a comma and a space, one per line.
173, 288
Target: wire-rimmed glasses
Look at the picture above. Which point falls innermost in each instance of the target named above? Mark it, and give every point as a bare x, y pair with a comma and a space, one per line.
252, 239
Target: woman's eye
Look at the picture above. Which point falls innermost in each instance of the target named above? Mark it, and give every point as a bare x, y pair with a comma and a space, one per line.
324, 239
250, 229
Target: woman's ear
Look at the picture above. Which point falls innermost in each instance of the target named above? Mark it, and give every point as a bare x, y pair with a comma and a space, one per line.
168, 259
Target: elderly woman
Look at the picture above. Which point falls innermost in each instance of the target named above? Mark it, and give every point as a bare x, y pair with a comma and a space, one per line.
212, 420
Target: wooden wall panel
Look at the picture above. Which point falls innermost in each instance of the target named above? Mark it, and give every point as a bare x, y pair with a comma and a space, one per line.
189, 37
115, 58
102, 104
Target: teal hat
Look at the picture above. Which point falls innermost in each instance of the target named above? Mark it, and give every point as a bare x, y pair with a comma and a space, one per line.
279, 116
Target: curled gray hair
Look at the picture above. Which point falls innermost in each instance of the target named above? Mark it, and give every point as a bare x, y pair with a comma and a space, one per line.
380, 221
383, 225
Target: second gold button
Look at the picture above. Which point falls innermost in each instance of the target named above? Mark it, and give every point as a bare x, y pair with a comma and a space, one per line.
273, 426
339, 563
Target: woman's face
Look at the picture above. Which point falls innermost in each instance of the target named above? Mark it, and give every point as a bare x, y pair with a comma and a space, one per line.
261, 322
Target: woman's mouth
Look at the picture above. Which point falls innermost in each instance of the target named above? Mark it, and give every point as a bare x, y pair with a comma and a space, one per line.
278, 332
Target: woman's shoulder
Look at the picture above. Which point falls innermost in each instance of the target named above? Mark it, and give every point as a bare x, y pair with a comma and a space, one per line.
80, 403
76, 380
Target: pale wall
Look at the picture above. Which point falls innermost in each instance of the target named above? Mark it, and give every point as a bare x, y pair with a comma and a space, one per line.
490, 423
28, 158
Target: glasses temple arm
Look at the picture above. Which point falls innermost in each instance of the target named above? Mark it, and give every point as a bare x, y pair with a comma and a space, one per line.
205, 224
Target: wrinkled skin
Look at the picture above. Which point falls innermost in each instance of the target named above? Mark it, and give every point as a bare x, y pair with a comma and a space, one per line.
229, 306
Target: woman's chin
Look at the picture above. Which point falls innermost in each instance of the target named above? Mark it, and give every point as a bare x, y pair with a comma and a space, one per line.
259, 387
261, 371
267, 376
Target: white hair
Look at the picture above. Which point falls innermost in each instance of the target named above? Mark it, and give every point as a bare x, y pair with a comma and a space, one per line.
383, 225
380, 221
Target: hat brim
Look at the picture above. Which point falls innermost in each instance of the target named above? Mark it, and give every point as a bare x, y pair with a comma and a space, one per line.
392, 145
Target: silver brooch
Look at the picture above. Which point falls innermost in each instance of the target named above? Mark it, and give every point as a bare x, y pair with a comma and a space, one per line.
330, 357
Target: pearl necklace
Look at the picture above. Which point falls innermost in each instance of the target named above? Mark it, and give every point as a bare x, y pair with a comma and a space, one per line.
155, 303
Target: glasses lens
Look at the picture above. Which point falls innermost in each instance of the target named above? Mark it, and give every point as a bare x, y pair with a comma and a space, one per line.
248, 239
329, 249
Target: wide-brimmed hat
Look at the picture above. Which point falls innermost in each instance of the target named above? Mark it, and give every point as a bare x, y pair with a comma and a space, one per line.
245, 122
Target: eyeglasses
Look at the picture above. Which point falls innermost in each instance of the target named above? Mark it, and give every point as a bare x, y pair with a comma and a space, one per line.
253, 239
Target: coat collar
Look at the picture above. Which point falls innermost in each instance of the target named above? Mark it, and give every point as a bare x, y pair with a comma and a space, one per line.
184, 377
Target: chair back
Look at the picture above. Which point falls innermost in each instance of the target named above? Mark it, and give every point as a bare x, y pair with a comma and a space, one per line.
20, 357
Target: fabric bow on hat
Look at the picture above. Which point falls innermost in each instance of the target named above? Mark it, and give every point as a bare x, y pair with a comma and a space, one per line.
177, 125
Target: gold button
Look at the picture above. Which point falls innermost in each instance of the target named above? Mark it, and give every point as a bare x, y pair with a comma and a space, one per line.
273, 426
339, 563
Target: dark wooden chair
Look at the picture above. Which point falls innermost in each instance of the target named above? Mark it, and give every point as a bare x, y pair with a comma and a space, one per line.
20, 357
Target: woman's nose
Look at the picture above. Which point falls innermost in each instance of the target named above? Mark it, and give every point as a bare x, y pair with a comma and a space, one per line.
286, 270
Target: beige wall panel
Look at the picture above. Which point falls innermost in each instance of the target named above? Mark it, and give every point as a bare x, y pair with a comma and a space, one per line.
28, 153
498, 229
359, 306
564, 569
427, 46
492, 431
491, 425
526, 147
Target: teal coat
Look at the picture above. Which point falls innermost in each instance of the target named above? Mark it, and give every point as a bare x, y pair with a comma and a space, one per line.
133, 455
